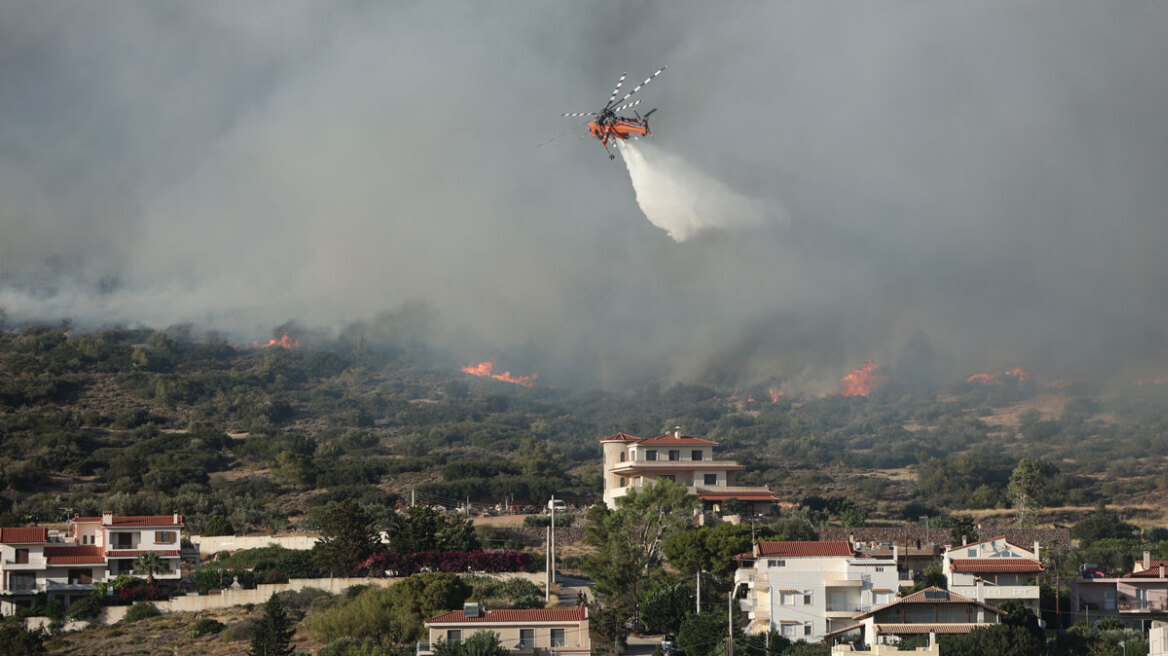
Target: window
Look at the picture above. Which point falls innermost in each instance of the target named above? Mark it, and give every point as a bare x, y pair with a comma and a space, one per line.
788, 630
650, 455
1109, 599
881, 597
973, 553
453, 636
558, 638
710, 479
622, 456
674, 455
787, 598
776, 563
22, 556
527, 638
879, 568
165, 537
697, 454
19, 581
807, 629
806, 597
623, 481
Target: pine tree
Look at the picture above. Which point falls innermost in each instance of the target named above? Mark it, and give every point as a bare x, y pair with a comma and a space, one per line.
274, 636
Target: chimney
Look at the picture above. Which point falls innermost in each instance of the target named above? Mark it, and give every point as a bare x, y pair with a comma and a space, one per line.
177, 517
895, 552
107, 518
1037, 553
1161, 570
1147, 560
677, 432
756, 550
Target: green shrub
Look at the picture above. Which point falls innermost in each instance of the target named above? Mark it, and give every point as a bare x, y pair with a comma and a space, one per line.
242, 630
86, 608
205, 626
140, 611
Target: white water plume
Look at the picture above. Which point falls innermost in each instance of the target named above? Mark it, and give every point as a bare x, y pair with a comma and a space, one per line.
682, 200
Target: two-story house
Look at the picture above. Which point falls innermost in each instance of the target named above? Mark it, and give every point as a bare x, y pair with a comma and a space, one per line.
804, 590
535, 631
65, 566
931, 611
1136, 598
993, 571
630, 462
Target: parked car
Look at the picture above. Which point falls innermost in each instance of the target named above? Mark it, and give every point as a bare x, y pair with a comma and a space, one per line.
558, 505
668, 643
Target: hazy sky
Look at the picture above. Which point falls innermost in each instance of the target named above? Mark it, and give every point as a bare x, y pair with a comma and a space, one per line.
990, 175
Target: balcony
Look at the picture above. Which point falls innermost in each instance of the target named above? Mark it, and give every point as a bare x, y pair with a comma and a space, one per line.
994, 592
845, 610
1128, 604
30, 564
423, 648
841, 580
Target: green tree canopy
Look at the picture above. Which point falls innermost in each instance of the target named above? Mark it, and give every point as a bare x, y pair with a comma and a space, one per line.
1029, 485
273, 637
347, 538
482, 643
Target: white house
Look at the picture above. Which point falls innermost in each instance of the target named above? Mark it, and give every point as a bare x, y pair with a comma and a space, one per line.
993, 571
65, 567
533, 631
804, 590
631, 462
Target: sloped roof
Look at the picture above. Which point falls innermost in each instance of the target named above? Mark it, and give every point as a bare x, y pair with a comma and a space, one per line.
135, 520
1151, 572
577, 614
761, 495
987, 540
621, 437
915, 629
24, 535
923, 597
976, 565
794, 549
75, 555
669, 440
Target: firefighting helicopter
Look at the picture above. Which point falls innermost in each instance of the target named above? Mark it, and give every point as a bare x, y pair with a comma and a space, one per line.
608, 125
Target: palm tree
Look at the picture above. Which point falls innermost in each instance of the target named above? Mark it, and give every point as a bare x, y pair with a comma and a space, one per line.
150, 564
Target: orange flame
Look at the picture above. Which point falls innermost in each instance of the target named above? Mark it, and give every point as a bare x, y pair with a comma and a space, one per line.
776, 393
1017, 373
283, 342
486, 369
861, 381
1158, 380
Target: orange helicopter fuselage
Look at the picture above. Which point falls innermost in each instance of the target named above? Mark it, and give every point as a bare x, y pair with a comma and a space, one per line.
620, 128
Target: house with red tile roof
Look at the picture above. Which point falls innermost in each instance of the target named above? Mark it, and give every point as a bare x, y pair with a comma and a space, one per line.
931, 611
534, 631
631, 462
804, 590
93, 549
993, 571
1134, 598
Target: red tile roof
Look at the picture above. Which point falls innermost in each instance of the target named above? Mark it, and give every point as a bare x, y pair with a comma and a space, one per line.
24, 535
921, 597
669, 440
621, 437
577, 614
666, 465
1151, 572
915, 629
793, 549
142, 520
75, 555
977, 565
134, 553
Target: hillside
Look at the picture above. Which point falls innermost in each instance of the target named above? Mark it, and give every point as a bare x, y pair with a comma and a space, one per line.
144, 422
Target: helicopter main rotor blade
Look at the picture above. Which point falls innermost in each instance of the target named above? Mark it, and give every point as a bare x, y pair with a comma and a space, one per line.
617, 89
647, 81
581, 114
571, 129
635, 102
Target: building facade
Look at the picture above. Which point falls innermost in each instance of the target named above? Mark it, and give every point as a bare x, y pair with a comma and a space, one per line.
632, 462
66, 566
1136, 598
993, 571
535, 631
931, 611
803, 590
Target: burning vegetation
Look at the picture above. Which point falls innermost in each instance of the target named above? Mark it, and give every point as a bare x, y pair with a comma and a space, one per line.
861, 381
1017, 374
487, 370
284, 342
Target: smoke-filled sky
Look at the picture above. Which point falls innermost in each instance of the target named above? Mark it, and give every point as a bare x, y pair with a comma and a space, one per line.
989, 177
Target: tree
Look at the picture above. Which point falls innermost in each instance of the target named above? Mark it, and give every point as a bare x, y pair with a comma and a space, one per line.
273, 637
1028, 486
629, 539
150, 563
995, 640
347, 538
482, 643
218, 525
668, 604
712, 548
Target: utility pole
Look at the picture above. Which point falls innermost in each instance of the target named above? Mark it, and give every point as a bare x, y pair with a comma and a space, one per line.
730, 622
699, 609
552, 527
547, 567
412, 500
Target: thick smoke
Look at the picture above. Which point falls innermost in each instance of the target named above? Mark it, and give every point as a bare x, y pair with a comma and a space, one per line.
682, 200
989, 176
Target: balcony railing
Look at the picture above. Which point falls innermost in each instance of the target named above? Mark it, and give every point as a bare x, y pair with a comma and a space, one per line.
424, 647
